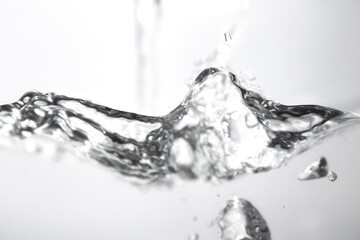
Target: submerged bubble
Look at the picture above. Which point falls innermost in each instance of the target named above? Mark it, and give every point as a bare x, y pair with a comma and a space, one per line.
225, 127
241, 220
332, 176
315, 170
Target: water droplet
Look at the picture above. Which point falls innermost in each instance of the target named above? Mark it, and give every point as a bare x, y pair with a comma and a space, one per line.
194, 218
332, 176
218, 195
315, 170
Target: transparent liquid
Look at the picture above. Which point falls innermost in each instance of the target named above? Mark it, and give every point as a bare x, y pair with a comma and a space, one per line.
224, 128
220, 130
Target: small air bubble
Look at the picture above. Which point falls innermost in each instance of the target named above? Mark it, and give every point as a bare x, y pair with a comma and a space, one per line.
332, 176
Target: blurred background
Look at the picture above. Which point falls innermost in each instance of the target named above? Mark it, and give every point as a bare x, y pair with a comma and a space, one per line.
140, 56
300, 51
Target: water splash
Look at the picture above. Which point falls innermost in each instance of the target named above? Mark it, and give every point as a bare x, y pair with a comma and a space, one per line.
240, 220
224, 127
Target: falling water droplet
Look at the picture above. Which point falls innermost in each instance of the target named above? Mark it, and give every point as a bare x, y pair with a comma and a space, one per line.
332, 176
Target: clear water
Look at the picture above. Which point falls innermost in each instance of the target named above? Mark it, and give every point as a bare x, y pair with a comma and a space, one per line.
224, 128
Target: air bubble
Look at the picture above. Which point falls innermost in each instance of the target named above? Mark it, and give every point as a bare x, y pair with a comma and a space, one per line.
332, 176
